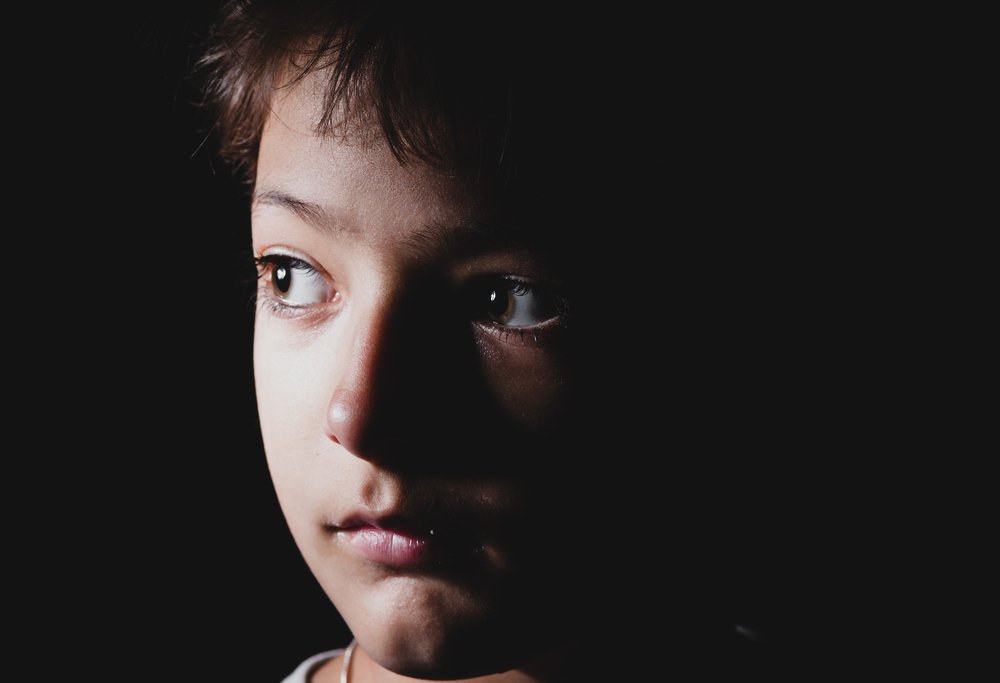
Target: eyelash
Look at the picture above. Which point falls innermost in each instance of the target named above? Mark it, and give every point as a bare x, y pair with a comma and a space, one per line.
265, 264
523, 335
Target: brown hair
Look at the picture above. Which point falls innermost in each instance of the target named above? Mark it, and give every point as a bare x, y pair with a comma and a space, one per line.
437, 83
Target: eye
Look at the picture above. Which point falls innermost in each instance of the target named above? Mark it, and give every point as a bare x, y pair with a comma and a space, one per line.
509, 302
294, 282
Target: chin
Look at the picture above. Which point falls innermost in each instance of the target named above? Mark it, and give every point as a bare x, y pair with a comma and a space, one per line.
436, 658
433, 635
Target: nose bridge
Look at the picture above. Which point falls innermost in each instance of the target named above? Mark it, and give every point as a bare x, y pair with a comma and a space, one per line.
367, 404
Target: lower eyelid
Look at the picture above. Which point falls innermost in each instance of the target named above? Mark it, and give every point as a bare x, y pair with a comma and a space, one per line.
282, 309
266, 297
536, 335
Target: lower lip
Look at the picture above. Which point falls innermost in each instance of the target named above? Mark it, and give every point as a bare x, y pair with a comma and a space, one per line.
388, 547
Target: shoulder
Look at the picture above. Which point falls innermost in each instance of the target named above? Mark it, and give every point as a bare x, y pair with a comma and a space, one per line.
304, 671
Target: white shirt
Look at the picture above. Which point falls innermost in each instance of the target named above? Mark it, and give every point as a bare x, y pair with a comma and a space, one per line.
303, 673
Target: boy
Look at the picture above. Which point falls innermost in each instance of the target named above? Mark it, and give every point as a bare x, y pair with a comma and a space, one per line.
445, 206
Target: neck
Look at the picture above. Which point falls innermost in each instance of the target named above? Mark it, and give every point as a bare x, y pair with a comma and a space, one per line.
559, 665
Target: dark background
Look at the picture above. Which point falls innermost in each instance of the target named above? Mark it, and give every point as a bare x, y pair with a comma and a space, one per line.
216, 547
164, 550
158, 549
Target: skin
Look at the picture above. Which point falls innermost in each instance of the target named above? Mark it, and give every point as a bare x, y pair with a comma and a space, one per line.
386, 395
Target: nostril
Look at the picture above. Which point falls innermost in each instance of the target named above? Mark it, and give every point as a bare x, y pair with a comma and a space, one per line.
337, 421
343, 425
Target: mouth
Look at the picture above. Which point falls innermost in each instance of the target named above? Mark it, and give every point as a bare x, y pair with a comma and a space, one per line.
393, 542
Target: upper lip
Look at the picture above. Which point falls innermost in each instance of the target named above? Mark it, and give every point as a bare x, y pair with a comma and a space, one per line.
356, 522
388, 522
447, 527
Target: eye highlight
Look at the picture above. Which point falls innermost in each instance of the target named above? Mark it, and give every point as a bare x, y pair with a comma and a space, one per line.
291, 283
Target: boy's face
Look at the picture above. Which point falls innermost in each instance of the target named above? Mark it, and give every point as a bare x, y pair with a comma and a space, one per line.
410, 362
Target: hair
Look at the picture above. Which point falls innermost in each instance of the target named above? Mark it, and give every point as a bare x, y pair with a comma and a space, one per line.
433, 77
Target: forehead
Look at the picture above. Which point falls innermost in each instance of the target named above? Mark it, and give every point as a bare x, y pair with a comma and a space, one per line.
351, 173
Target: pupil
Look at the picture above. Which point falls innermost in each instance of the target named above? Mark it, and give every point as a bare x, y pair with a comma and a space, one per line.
499, 305
283, 278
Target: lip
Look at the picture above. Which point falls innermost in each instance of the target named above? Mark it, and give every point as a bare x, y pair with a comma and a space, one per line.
393, 543
390, 547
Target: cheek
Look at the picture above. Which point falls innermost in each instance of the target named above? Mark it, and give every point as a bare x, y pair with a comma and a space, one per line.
528, 383
291, 401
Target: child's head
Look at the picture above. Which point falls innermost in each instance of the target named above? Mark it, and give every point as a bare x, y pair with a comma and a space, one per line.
433, 85
415, 322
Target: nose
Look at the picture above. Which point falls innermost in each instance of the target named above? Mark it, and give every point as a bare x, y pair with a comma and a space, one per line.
396, 382
350, 416
356, 417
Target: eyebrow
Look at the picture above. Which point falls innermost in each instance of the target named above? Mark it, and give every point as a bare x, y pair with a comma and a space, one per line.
457, 239
313, 214
430, 239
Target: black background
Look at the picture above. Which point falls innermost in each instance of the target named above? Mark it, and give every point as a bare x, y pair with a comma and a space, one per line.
239, 579
156, 548
158, 545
